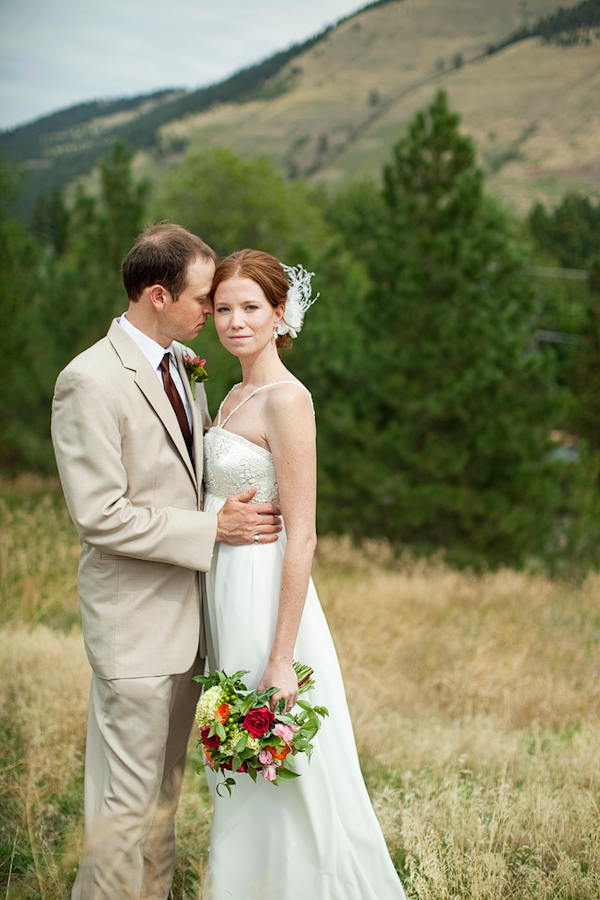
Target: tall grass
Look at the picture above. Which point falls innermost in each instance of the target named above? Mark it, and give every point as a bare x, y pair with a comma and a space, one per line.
475, 699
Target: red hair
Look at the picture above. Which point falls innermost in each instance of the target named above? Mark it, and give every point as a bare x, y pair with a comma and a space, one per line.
265, 271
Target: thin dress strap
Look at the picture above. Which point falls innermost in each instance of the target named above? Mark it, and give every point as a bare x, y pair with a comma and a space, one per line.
255, 391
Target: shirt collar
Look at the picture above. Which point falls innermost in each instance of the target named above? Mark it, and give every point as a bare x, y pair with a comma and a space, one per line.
153, 351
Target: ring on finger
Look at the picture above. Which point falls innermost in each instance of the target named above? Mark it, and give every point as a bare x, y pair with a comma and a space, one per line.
256, 537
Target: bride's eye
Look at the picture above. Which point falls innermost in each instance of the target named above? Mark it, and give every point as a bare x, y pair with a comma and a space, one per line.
222, 309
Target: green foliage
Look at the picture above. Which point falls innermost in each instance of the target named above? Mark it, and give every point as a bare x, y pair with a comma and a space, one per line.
53, 307
571, 232
50, 222
234, 203
434, 404
585, 377
565, 26
86, 284
566, 23
22, 363
453, 408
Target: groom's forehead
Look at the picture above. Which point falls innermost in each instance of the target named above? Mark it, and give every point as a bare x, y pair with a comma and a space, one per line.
199, 274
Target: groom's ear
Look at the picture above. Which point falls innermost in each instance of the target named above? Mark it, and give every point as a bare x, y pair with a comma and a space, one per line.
158, 296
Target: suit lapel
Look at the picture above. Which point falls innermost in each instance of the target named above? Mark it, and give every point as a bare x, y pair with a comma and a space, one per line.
132, 358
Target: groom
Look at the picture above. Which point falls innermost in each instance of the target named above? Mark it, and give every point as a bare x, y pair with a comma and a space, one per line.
127, 434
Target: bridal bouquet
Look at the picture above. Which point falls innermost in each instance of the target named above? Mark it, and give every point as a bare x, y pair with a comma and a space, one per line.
239, 733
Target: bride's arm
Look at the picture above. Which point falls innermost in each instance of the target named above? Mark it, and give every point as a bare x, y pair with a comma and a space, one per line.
290, 431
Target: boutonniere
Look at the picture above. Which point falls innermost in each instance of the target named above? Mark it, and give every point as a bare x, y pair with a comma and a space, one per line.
194, 366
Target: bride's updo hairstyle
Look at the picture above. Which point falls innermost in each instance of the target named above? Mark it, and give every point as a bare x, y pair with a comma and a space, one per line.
265, 271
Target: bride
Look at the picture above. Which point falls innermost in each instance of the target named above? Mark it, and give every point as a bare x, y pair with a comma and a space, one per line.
316, 836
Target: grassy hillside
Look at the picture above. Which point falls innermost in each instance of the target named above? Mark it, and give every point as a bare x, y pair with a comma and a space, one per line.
332, 107
474, 698
350, 96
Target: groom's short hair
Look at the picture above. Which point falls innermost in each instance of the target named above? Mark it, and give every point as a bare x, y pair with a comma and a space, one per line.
162, 254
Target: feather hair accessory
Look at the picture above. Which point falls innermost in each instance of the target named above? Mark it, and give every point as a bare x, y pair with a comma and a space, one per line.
298, 299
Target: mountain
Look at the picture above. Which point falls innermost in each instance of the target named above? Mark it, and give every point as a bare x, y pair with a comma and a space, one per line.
524, 75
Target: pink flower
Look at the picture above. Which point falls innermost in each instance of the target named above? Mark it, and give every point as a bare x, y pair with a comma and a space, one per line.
269, 774
265, 757
285, 732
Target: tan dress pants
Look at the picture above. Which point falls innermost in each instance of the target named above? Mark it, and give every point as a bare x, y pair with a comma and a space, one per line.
138, 731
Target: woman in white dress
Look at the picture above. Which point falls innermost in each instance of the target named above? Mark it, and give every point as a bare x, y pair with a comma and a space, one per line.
315, 837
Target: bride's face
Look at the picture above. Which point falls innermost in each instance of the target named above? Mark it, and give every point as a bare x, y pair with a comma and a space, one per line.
244, 318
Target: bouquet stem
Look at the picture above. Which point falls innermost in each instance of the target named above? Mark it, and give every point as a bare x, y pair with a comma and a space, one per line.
305, 679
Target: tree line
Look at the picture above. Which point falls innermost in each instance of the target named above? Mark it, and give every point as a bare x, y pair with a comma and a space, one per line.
442, 421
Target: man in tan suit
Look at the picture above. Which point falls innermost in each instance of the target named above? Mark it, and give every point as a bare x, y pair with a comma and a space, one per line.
127, 434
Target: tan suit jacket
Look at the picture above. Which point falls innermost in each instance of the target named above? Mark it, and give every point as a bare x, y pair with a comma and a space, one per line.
136, 502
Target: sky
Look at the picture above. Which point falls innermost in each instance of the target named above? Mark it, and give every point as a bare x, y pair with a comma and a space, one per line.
56, 53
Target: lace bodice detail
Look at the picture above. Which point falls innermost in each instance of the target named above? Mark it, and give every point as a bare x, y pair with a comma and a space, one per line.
233, 464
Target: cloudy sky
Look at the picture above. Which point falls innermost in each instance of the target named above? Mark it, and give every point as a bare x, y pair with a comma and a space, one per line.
55, 53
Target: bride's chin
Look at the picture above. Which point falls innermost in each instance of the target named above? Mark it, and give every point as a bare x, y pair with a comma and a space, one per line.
246, 348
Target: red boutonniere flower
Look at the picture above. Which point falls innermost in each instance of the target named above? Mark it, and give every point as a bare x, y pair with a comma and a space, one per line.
194, 366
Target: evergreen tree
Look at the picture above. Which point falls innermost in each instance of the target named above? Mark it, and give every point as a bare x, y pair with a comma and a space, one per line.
21, 340
86, 287
233, 203
453, 405
571, 232
50, 222
53, 307
585, 379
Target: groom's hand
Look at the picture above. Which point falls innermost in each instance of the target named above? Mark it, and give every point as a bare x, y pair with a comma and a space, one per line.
240, 522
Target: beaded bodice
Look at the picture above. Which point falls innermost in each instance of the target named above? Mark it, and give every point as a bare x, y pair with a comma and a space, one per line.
233, 464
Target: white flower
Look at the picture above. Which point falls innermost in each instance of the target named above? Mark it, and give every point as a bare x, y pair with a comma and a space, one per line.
298, 300
208, 705
292, 320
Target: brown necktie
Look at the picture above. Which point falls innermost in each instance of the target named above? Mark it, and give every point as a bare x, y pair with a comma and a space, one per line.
176, 402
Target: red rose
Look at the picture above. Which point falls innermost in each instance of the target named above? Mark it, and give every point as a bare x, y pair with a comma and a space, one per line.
229, 766
213, 741
258, 721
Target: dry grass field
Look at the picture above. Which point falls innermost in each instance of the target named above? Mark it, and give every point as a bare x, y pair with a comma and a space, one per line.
476, 703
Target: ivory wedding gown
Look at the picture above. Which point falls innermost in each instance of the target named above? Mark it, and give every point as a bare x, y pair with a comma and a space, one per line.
315, 837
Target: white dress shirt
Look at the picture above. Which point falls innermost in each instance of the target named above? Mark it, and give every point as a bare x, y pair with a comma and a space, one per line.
154, 354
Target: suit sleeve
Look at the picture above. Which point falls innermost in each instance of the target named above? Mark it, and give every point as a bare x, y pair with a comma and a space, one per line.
87, 444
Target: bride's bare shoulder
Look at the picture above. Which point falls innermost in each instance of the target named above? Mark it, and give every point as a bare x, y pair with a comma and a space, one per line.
288, 402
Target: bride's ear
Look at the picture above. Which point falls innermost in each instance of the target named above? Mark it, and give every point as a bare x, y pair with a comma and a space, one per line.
278, 312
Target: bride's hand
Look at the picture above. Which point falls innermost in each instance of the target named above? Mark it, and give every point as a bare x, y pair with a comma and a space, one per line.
283, 676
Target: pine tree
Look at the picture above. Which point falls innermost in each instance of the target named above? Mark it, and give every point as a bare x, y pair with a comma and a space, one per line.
21, 408
571, 232
233, 203
86, 290
585, 379
454, 404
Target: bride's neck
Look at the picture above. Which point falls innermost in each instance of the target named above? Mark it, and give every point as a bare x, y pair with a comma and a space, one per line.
262, 369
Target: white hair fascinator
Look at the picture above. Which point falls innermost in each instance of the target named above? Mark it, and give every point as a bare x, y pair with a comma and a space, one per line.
298, 300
